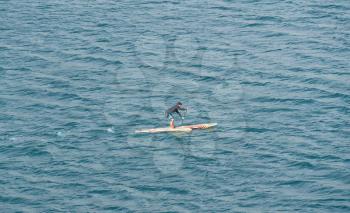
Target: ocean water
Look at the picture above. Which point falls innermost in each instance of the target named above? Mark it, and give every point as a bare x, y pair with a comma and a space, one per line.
77, 78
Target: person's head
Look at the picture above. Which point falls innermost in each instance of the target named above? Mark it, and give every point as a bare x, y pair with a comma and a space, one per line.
179, 103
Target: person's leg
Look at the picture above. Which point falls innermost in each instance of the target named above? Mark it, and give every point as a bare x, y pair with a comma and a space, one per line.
172, 125
171, 118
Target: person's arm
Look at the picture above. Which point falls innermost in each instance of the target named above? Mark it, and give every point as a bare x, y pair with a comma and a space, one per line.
182, 117
182, 108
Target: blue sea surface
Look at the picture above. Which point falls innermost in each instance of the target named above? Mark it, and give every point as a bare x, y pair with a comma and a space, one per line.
78, 77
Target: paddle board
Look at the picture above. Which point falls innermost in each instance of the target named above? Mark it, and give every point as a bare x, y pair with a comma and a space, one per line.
177, 129
156, 130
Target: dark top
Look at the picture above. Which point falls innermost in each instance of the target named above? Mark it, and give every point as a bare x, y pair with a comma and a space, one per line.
175, 109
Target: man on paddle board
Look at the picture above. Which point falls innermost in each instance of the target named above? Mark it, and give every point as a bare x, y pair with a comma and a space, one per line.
174, 109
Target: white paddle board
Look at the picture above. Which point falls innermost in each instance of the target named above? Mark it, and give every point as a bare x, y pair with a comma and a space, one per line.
188, 128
